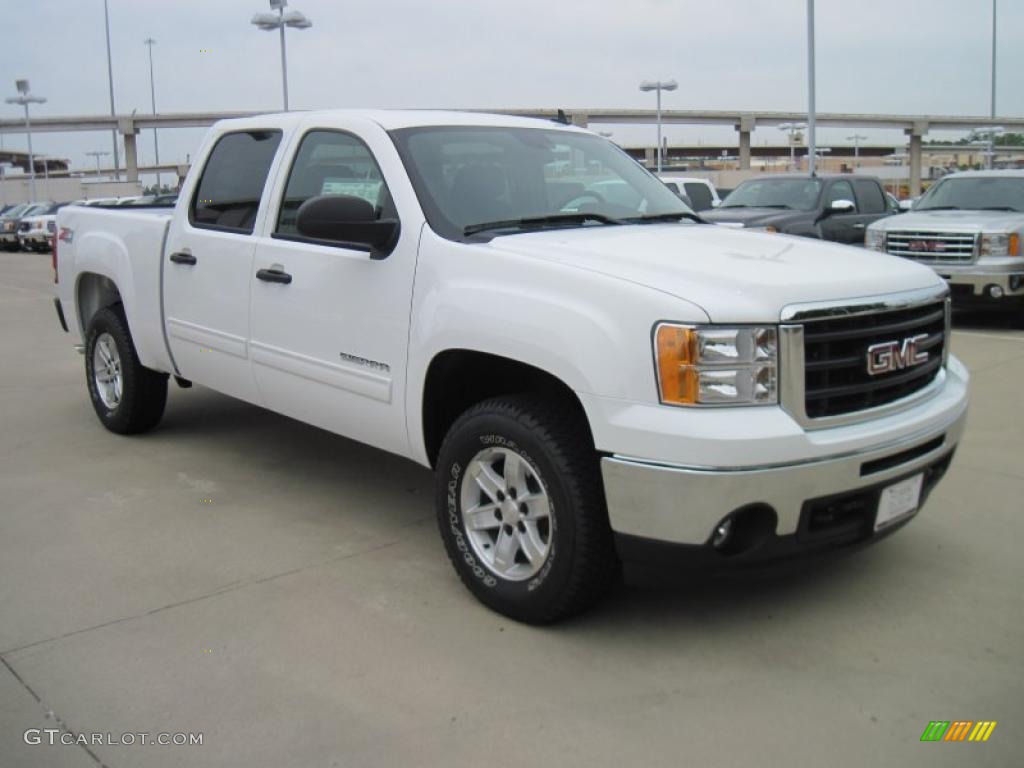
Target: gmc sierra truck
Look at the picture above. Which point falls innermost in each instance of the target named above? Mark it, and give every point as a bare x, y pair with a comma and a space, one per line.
968, 228
594, 382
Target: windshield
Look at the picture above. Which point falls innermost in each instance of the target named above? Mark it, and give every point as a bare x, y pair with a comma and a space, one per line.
470, 176
975, 193
798, 194
16, 211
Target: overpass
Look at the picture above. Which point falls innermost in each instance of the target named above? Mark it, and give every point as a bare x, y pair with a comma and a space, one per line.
915, 127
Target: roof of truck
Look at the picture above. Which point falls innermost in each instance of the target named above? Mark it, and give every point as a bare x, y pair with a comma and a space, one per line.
391, 119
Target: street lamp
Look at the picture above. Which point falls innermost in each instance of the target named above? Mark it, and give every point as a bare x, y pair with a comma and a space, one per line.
269, 22
659, 86
991, 142
110, 83
856, 147
792, 128
988, 133
811, 112
25, 98
97, 153
149, 43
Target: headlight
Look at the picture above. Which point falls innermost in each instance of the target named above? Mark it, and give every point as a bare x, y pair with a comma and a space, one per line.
1000, 245
874, 240
714, 365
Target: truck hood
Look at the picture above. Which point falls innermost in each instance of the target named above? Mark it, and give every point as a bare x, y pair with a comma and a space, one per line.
749, 217
974, 221
733, 275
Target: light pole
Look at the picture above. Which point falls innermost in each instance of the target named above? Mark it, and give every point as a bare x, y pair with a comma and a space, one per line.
110, 82
792, 128
811, 113
991, 138
270, 22
25, 98
97, 153
150, 42
659, 86
856, 147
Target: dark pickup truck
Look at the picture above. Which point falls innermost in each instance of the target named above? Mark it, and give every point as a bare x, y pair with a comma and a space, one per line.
837, 208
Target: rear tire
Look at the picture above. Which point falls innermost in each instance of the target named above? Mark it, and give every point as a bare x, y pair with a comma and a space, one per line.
128, 397
521, 508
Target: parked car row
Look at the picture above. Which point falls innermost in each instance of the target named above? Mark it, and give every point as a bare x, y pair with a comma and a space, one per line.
31, 226
968, 226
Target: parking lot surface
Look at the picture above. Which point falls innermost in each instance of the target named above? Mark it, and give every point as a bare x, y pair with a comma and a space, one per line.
284, 592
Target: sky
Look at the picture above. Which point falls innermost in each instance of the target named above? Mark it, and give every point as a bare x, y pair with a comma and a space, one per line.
873, 56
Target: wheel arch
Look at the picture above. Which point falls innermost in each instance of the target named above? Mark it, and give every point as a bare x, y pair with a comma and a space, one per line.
457, 379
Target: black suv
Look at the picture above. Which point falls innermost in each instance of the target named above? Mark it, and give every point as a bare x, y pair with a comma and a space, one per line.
837, 207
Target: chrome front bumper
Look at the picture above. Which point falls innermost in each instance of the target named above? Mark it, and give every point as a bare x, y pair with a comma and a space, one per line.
683, 505
1008, 276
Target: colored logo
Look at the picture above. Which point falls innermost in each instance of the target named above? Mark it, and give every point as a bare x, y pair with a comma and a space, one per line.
958, 730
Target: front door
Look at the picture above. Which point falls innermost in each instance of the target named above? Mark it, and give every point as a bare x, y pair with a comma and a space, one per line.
208, 265
330, 324
842, 227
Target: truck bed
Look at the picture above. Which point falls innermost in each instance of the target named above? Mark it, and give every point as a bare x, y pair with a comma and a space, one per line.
124, 245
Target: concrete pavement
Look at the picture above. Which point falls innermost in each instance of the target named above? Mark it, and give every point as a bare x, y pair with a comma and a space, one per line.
284, 592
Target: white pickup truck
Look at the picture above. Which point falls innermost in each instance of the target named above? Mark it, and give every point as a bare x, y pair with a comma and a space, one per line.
593, 383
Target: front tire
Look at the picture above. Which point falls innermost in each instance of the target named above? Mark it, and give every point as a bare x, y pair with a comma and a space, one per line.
128, 397
521, 509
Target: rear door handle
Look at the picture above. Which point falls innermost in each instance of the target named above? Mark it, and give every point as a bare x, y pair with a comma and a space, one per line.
274, 276
181, 257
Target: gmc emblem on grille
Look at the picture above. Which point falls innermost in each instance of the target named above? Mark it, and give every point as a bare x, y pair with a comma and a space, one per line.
890, 356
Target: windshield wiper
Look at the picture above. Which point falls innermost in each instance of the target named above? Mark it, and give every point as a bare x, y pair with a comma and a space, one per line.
533, 222
656, 217
999, 208
941, 208
778, 205
735, 205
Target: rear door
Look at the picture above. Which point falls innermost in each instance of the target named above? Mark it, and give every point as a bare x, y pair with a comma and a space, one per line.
871, 202
330, 325
208, 264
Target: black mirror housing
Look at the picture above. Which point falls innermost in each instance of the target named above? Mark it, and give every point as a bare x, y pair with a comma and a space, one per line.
348, 222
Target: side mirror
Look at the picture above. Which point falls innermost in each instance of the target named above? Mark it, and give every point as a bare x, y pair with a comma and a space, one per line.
842, 206
906, 205
715, 203
348, 222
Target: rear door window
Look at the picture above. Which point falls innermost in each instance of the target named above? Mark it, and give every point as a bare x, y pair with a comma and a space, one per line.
699, 195
869, 196
231, 187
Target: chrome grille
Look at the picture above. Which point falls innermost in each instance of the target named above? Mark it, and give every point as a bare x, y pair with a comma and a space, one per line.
933, 247
836, 378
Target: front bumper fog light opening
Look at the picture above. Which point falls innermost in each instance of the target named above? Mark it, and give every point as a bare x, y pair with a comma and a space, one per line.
995, 291
744, 530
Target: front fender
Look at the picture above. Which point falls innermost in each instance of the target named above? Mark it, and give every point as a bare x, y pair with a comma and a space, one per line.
589, 330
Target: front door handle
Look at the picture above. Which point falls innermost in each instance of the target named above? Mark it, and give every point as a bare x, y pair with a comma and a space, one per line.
859, 226
181, 257
274, 276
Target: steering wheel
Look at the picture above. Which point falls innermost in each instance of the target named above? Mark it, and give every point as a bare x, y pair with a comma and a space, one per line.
580, 199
